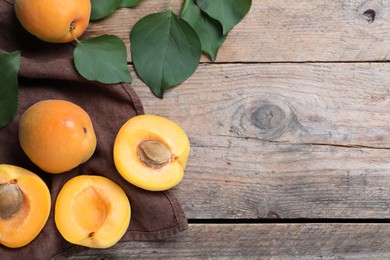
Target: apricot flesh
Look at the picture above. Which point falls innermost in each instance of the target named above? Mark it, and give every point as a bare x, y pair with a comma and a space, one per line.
151, 152
25, 205
92, 211
57, 135
54, 21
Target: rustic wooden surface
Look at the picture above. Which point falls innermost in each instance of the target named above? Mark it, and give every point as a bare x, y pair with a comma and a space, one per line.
287, 30
289, 132
248, 241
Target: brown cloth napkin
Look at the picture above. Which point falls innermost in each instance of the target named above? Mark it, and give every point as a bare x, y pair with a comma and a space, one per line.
47, 72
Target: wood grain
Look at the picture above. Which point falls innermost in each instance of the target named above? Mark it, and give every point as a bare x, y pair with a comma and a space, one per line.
286, 30
257, 241
284, 140
274, 138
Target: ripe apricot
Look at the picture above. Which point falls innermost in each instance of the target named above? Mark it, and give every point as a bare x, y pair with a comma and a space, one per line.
54, 21
151, 152
24, 205
92, 211
57, 135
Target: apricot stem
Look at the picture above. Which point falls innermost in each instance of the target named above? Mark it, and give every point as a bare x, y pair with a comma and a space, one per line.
72, 27
11, 199
154, 153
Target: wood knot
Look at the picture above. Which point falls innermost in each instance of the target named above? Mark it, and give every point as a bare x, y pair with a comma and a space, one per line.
268, 117
369, 15
273, 215
269, 120
265, 119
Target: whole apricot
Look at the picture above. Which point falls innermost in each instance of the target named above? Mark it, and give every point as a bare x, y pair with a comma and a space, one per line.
57, 135
92, 211
151, 152
54, 21
24, 205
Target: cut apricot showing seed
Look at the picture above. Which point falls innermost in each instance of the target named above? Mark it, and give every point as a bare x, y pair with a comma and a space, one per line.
92, 211
24, 205
151, 152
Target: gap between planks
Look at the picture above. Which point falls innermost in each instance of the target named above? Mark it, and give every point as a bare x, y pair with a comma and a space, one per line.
274, 220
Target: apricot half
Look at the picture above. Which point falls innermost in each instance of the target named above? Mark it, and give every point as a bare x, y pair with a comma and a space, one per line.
57, 135
24, 205
151, 152
54, 21
92, 211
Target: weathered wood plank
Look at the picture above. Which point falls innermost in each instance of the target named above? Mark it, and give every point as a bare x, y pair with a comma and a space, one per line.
257, 241
283, 140
287, 30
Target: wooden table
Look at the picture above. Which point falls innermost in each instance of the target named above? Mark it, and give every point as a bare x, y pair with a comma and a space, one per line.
290, 134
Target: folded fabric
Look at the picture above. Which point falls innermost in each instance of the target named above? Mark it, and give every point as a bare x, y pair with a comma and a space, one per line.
47, 72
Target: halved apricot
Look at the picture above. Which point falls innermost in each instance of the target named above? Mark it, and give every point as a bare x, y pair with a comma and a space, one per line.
92, 211
151, 152
24, 205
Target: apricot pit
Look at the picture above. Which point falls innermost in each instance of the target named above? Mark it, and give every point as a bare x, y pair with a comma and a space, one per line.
151, 152
154, 153
11, 199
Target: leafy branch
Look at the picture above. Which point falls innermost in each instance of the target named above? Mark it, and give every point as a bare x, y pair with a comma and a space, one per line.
165, 47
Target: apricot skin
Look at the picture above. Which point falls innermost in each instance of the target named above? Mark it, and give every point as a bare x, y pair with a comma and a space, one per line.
54, 20
129, 162
21, 228
57, 135
92, 211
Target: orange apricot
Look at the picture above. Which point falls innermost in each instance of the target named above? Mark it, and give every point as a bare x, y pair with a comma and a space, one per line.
151, 152
57, 135
24, 205
92, 211
54, 21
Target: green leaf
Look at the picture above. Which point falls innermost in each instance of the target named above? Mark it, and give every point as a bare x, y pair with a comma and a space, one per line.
165, 50
102, 58
103, 8
129, 3
227, 12
9, 69
208, 29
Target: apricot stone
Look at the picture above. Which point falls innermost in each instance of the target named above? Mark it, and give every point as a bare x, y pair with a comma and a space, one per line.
57, 135
24, 205
92, 211
11, 199
151, 152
